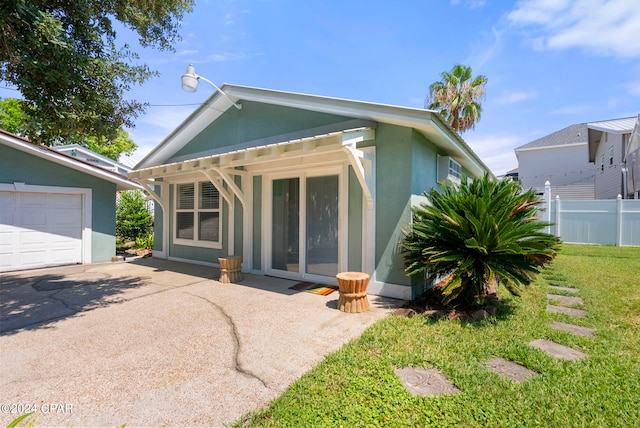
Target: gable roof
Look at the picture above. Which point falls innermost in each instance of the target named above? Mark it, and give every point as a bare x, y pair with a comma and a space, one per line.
427, 122
574, 134
22, 144
69, 149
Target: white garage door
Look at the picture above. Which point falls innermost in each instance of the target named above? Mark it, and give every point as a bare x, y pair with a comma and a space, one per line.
39, 229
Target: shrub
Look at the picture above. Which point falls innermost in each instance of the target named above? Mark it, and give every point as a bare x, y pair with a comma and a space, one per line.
133, 218
145, 242
477, 232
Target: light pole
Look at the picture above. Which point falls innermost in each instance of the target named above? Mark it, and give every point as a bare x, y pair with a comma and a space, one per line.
190, 83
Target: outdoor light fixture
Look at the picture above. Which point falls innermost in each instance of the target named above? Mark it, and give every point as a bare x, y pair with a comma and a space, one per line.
190, 83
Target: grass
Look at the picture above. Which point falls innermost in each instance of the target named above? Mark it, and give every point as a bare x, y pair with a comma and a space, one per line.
356, 386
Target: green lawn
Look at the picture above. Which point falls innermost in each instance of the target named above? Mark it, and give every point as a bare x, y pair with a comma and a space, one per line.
356, 386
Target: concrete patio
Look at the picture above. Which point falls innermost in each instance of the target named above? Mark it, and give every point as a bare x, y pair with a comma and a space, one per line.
158, 343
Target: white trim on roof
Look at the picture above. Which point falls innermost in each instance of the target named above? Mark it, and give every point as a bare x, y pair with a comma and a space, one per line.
121, 182
429, 123
563, 146
77, 147
614, 126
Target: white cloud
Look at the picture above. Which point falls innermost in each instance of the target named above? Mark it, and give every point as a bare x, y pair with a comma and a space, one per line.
605, 27
185, 52
515, 97
471, 4
633, 87
166, 118
485, 48
569, 110
496, 151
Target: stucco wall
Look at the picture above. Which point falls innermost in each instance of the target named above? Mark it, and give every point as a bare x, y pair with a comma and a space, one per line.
17, 166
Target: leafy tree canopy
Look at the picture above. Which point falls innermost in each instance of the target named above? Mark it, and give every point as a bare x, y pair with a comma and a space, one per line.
62, 57
14, 120
457, 97
12, 117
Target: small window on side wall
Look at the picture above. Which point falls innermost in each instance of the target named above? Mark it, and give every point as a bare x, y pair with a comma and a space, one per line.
611, 156
197, 215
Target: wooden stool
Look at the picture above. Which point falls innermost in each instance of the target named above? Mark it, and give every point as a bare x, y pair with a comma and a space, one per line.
230, 269
353, 292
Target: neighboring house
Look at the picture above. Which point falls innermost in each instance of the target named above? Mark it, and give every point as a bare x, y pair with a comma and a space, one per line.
90, 156
301, 186
632, 161
609, 144
512, 174
54, 209
561, 158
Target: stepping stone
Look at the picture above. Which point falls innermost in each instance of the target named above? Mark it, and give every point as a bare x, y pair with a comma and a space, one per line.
421, 381
565, 300
566, 289
575, 329
556, 350
568, 311
509, 369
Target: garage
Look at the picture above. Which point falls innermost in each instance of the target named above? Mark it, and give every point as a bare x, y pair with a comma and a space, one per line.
55, 209
40, 229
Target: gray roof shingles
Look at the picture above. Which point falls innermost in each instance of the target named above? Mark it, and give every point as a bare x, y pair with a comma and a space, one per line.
569, 135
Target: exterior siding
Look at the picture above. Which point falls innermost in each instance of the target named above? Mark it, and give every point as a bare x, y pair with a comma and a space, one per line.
424, 165
254, 121
257, 222
158, 221
562, 166
17, 166
355, 223
393, 195
198, 254
608, 183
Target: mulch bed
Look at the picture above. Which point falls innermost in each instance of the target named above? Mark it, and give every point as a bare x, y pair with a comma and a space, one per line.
429, 305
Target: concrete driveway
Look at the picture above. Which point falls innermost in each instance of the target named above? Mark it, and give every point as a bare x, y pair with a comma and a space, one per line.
158, 343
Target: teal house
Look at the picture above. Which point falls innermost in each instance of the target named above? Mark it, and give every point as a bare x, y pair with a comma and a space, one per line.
301, 186
55, 209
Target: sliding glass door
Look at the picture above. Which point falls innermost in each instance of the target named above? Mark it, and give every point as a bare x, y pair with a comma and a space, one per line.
322, 225
305, 225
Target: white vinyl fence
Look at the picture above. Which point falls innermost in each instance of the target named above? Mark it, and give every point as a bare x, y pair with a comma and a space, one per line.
604, 222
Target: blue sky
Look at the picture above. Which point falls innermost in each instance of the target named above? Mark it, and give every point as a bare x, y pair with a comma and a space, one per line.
549, 63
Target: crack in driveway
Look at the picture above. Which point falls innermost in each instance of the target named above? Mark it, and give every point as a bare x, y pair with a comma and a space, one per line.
237, 345
51, 292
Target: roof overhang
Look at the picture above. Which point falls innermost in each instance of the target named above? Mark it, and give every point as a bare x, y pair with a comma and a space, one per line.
428, 123
563, 146
245, 157
237, 160
596, 130
18, 143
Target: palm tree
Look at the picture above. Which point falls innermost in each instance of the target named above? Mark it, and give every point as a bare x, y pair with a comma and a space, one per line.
457, 97
475, 233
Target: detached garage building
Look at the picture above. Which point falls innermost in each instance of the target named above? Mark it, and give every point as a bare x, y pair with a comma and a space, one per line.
54, 209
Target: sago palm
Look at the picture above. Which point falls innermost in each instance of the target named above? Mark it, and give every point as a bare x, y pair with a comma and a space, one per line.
457, 97
476, 232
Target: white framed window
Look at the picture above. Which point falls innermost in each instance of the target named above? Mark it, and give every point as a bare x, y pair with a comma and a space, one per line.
198, 215
455, 169
611, 156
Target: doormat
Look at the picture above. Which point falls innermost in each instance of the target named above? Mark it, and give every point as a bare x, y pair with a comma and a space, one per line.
315, 288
